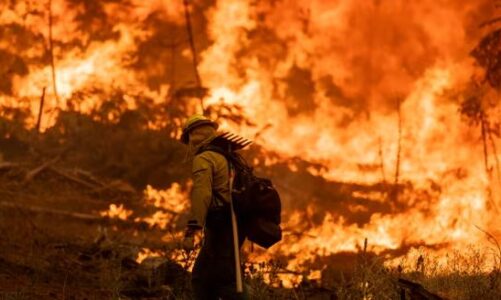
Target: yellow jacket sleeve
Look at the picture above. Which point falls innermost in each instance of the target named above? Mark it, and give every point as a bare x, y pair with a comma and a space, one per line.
201, 193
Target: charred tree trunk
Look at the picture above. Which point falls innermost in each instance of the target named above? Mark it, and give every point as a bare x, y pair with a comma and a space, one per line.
381, 160
486, 139
189, 30
51, 53
483, 128
495, 153
173, 67
40, 111
399, 149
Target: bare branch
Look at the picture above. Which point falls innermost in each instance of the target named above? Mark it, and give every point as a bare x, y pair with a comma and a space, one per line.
33, 173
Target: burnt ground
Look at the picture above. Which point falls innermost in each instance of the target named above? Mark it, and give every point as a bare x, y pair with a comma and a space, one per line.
56, 245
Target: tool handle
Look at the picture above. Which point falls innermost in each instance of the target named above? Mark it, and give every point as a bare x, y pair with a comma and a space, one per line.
234, 225
236, 248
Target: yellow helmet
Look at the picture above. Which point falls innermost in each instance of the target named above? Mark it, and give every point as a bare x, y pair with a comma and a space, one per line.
193, 122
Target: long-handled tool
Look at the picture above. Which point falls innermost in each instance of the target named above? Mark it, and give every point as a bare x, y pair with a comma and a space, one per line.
233, 143
236, 246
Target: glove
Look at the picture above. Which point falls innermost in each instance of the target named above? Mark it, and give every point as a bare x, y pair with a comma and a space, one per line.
188, 243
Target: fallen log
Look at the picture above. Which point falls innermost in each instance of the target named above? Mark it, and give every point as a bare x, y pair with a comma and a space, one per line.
66, 175
415, 291
40, 209
33, 173
116, 185
92, 183
89, 176
6, 165
128, 224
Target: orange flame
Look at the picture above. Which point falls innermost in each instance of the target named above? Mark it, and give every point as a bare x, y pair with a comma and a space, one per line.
321, 81
117, 211
172, 202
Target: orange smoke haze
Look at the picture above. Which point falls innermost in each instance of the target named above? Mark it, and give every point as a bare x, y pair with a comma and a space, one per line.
324, 81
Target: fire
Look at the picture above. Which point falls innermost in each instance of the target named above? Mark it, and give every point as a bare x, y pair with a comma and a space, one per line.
434, 140
117, 211
388, 232
171, 203
145, 253
173, 198
369, 90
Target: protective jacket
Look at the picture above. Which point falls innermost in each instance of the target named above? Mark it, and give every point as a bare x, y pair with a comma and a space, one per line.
210, 177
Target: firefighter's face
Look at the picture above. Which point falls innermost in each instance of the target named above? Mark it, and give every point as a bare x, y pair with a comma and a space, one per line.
200, 134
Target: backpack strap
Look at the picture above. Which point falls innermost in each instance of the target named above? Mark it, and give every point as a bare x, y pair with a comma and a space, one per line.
238, 163
213, 148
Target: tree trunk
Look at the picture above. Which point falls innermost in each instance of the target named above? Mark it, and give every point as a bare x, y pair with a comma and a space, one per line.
40, 111
189, 30
51, 53
399, 149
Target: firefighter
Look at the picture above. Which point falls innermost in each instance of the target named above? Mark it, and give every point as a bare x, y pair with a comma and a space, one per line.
213, 275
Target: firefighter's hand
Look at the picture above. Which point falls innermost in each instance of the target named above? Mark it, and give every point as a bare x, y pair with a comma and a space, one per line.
188, 243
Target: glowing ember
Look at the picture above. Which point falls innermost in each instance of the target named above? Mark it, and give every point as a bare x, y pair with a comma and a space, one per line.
117, 211
145, 253
172, 202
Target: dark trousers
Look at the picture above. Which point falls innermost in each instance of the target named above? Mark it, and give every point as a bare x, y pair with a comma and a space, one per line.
213, 274
208, 291
214, 277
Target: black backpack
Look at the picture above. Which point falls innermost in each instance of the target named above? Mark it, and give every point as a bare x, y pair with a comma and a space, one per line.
257, 203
